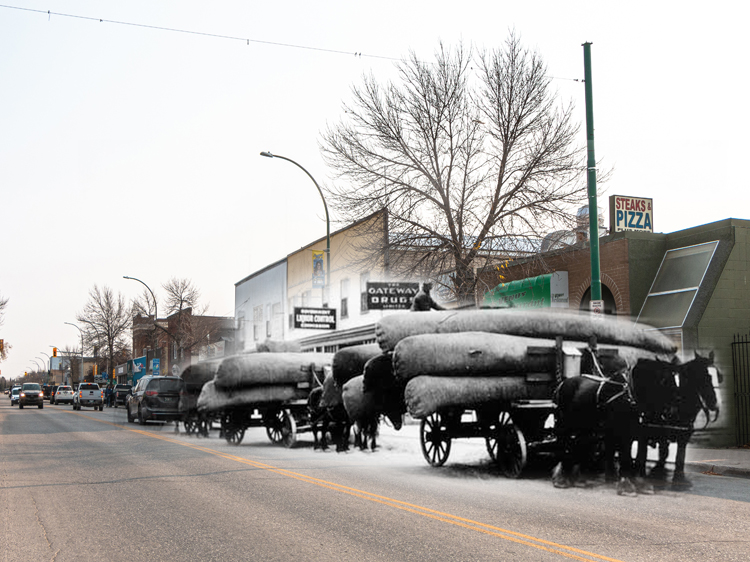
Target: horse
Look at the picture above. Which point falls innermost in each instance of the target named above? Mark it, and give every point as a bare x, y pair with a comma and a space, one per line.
669, 397
328, 416
595, 409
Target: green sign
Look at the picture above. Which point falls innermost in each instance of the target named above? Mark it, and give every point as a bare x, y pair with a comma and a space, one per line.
543, 291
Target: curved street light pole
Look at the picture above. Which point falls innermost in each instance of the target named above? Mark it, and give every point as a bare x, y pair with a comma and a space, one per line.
49, 365
154, 343
328, 221
77, 328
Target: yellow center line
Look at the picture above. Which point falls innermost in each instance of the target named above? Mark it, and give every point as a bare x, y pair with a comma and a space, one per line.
555, 548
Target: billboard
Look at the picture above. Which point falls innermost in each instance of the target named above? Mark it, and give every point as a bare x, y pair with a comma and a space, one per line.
631, 213
543, 291
390, 296
315, 318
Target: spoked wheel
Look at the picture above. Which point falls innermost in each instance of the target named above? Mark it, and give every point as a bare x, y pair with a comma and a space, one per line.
234, 432
507, 446
281, 427
435, 439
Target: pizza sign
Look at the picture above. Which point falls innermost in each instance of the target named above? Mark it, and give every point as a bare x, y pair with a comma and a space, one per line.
631, 213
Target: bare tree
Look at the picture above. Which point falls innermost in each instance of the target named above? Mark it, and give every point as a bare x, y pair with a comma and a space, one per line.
181, 295
5, 347
144, 304
3, 306
107, 319
472, 156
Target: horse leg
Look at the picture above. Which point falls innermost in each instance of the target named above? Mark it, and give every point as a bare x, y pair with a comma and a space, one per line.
659, 472
678, 479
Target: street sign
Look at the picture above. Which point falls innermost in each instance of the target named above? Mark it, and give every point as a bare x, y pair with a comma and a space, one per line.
155, 367
596, 307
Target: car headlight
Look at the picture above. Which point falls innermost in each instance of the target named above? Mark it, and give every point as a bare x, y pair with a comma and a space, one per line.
22, 395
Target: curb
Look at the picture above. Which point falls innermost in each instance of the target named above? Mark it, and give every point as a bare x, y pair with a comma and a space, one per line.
717, 469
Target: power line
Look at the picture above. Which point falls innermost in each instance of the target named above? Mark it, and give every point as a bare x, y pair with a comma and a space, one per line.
201, 33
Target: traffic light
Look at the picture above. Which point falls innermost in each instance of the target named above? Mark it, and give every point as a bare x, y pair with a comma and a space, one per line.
54, 352
95, 369
2, 345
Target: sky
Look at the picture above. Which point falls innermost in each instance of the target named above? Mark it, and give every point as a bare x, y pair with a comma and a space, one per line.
130, 132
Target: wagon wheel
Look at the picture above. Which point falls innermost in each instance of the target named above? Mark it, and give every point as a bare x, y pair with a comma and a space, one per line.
435, 439
507, 446
281, 427
234, 432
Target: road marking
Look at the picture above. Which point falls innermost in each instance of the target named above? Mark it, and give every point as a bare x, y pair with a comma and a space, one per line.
513, 536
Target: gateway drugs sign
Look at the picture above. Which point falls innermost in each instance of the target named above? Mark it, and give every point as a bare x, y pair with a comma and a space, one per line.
631, 213
390, 296
315, 318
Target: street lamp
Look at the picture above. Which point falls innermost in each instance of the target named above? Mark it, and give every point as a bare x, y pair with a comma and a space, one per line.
154, 343
325, 206
77, 328
49, 365
156, 313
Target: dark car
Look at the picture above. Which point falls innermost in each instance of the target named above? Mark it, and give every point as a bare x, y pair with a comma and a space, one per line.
49, 392
156, 398
31, 395
120, 394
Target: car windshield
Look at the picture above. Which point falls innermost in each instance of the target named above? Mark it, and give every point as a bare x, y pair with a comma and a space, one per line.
63, 388
166, 385
15, 390
89, 387
31, 386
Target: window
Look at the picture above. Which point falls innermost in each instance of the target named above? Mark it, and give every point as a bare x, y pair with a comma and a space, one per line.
344, 298
677, 282
363, 279
257, 322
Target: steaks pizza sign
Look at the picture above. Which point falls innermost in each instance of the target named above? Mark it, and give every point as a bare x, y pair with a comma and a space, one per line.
631, 213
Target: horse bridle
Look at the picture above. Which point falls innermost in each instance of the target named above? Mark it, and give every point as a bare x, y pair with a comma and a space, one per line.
625, 390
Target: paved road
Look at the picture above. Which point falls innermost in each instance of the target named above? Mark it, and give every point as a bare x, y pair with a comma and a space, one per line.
89, 486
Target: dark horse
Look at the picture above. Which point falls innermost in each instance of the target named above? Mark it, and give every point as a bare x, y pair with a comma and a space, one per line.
594, 410
669, 397
328, 416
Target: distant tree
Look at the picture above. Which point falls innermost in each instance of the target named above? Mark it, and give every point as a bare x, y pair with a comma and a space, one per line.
144, 304
472, 156
6, 346
187, 328
107, 321
3, 306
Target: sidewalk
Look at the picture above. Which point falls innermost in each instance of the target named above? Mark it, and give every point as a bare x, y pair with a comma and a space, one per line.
725, 462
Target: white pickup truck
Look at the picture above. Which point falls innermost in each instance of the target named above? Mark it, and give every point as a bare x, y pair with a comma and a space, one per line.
88, 394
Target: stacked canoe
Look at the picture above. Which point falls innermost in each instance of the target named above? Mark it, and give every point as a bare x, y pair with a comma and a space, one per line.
260, 379
469, 358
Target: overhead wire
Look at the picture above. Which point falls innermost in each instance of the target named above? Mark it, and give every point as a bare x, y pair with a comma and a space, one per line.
246, 40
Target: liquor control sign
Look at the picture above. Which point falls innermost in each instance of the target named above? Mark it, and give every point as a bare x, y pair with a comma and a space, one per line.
631, 213
315, 318
390, 296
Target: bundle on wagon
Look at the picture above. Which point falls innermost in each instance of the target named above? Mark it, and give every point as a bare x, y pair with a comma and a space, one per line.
502, 368
268, 390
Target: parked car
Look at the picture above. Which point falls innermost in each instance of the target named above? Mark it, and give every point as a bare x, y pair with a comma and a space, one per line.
31, 395
63, 395
88, 394
155, 398
120, 394
14, 392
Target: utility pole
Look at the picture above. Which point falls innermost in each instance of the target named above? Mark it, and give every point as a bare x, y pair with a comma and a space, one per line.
596, 281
